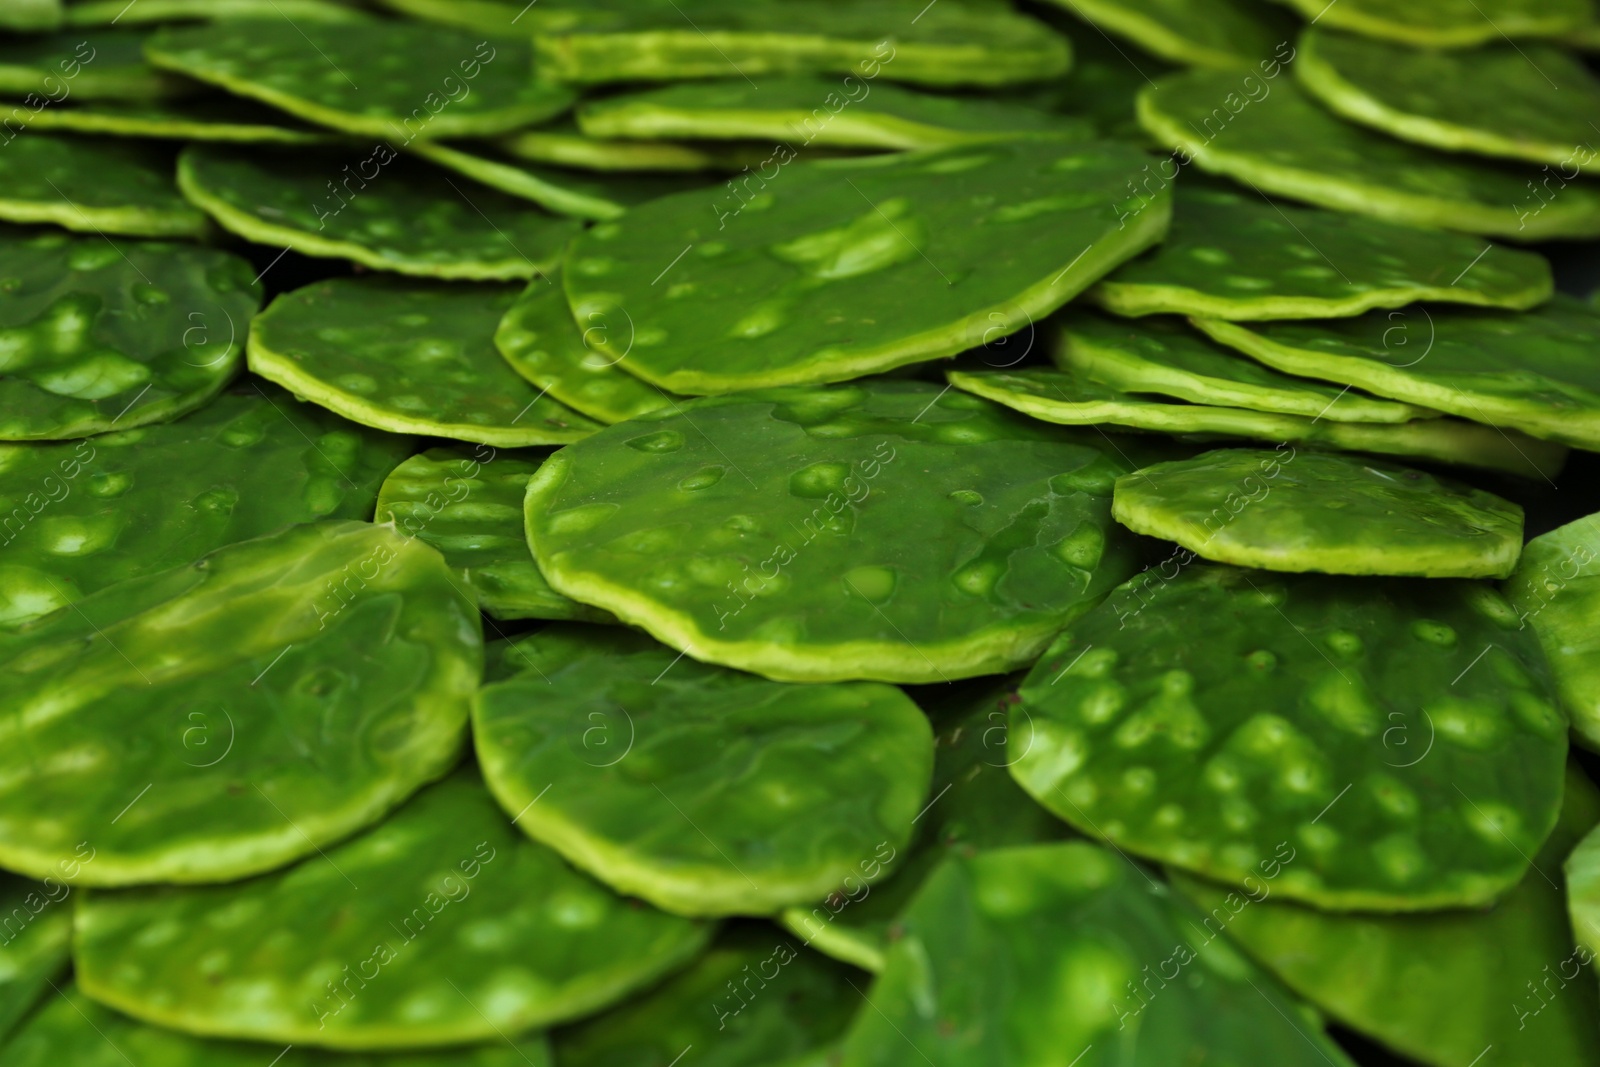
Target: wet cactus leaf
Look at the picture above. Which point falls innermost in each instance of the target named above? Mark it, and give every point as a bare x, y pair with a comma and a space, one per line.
77, 517
407, 357
467, 503
803, 280
1330, 514
441, 926
883, 530
1367, 743
267, 739
702, 790
97, 337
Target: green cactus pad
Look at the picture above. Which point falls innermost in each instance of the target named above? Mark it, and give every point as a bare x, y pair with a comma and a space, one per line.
408, 357
590, 42
883, 530
1556, 590
440, 926
1582, 871
121, 13
1274, 137
94, 185
31, 15
1450, 23
542, 342
204, 118
1528, 102
700, 789
392, 214
1262, 734
562, 145
1535, 371
975, 805
36, 922
211, 721
1233, 255
78, 516
1441, 989
100, 64
806, 281
566, 192
995, 944
393, 80
1254, 508
72, 1029
1163, 357
467, 503
1072, 399
99, 337
1231, 34
717, 1007
817, 111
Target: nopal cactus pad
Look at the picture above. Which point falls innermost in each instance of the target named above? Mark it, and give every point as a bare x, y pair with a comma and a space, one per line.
211, 721
883, 530
702, 790
441, 926
1313, 511
804, 279
1285, 730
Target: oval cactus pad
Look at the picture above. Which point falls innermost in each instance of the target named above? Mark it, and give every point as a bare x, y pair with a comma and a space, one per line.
467, 503
1530, 102
1167, 358
95, 337
1535, 371
94, 185
1408, 980
1312, 511
97, 64
273, 739
1556, 591
804, 279
366, 204
409, 357
1073, 399
205, 118
440, 926
1273, 136
71, 1028
1038, 954
1259, 737
37, 944
1231, 34
78, 516
816, 111
1235, 255
372, 78
883, 530
702, 790
1450, 23
543, 342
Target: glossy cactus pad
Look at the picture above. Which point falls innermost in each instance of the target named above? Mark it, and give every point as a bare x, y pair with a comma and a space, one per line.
1534, 372
803, 279
1556, 592
154, 766
1315, 511
885, 530
1229, 721
78, 516
1234, 254
441, 926
467, 503
702, 790
97, 337
408, 357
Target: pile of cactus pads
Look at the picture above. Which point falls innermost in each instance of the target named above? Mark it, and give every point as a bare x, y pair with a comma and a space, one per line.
799, 533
